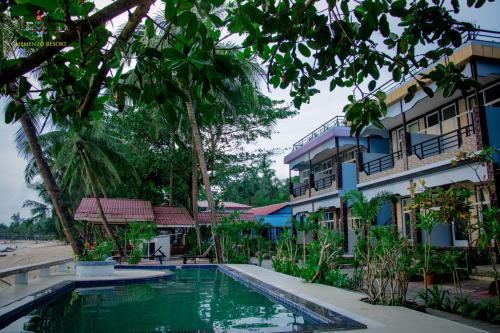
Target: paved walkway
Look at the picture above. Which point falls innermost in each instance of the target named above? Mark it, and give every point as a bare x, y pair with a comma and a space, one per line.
378, 318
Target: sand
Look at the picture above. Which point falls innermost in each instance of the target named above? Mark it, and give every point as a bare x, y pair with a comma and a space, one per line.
30, 252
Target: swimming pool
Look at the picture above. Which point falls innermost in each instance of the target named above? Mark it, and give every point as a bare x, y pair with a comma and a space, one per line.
195, 300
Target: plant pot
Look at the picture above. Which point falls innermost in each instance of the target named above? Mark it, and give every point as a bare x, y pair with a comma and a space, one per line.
430, 279
95, 268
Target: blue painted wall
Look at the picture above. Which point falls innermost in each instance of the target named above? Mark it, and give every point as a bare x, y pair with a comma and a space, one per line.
280, 218
492, 121
349, 177
441, 235
379, 145
384, 214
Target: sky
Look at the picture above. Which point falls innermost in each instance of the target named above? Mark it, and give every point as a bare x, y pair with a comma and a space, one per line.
322, 107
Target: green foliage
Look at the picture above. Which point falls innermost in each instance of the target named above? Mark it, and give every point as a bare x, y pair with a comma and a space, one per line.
291, 36
381, 252
240, 239
138, 234
98, 251
437, 298
323, 253
336, 278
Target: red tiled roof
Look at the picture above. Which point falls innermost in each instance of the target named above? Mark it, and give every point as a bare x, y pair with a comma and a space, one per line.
204, 217
172, 216
266, 210
116, 210
226, 204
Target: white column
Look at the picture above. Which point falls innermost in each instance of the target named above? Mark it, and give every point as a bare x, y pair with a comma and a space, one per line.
21, 278
44, 272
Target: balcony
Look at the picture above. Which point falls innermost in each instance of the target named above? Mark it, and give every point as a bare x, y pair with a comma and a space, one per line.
338, 121
299, 189
323, 183
381, 164
442, 143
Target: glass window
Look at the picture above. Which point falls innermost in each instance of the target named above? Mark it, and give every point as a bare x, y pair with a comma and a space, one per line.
432, 119
407, 225
329, 221
449, 112
413, 127
492, 96
305, 175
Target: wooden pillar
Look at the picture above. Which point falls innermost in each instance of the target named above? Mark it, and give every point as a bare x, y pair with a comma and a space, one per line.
343, 222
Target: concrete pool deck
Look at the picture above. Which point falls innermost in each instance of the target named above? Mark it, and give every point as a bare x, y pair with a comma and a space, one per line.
378, 318
15, 293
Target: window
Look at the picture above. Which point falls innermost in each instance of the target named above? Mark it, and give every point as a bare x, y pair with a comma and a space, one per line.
412, 127
305, 176
399, 140
449, 112
492, 96
329, 220
407, 225
432, 119
350, 155
323, 169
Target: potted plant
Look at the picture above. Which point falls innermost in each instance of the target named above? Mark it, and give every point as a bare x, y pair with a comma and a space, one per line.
94, 261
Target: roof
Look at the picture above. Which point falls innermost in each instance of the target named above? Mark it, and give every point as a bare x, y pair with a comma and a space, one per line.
204, 217
115, 210
266, 210
172, 216
226, 204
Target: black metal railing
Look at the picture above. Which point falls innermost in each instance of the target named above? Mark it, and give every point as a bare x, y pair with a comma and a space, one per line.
383, 163
300, 189
338, 121
324, 183
474, 35
442, 143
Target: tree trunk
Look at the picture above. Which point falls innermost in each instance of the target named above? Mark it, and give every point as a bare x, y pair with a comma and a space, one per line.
98, 201
194, 195
204, 173
171, 186
53, 190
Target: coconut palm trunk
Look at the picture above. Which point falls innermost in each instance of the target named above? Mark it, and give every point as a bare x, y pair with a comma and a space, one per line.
194, 195
53, 190
204, 173
171, 186
93, 188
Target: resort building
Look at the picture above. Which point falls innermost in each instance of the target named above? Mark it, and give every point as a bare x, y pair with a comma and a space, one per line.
418, 143
173, 221
277, 217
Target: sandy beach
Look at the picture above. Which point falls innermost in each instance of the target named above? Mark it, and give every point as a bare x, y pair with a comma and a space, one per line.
30, 252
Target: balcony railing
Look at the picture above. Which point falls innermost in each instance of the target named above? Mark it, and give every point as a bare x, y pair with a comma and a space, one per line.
338, 121
324, 183
476, 35
442, 143
299, 189
381, 164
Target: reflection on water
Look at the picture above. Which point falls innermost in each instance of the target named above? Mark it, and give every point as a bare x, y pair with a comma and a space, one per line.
196, 300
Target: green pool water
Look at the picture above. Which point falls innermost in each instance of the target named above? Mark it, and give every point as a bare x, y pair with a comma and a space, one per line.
196, 300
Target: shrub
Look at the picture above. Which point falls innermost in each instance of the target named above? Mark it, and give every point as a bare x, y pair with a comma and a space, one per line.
96, 251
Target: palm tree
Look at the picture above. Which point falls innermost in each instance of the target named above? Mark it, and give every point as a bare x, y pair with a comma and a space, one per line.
88, 160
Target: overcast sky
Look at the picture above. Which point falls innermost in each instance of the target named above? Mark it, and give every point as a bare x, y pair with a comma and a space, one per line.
323, 106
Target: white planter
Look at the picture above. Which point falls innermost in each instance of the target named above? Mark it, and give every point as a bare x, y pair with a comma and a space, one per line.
95, 268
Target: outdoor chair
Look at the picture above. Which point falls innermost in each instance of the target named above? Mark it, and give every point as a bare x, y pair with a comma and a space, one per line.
204, 255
